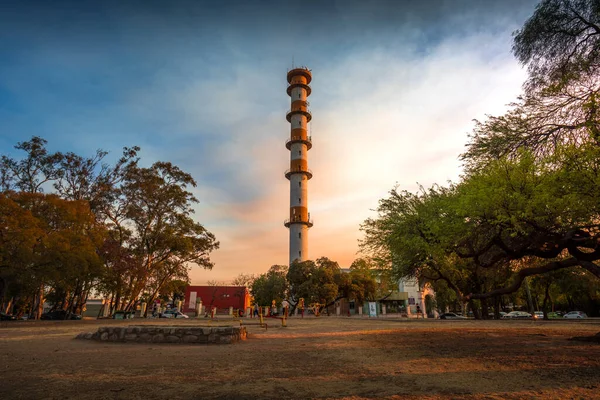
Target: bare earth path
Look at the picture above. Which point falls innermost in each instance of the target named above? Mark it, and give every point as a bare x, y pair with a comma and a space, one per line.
328, 358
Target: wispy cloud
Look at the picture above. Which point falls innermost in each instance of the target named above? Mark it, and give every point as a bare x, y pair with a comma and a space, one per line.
396, 86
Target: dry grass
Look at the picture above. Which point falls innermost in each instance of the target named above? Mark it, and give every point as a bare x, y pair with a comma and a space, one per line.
333, 358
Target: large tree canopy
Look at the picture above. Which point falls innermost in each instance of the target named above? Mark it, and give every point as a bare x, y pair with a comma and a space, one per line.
528, 203
121, 230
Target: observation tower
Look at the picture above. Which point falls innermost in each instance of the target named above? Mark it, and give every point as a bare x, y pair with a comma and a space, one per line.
299, 144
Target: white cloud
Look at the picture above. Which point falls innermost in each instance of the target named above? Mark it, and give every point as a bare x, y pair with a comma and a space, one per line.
379, 119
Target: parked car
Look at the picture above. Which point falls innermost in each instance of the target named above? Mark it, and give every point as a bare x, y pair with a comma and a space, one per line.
58, 315
172, 314
554, 315
575, 315
538, 314
7, 317
517, 315
451, 315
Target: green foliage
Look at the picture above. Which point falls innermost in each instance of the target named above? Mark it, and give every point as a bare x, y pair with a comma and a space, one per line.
361, 283
315, 281
270, 286
528, 203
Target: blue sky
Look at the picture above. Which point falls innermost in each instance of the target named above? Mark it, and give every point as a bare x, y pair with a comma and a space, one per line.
396, 85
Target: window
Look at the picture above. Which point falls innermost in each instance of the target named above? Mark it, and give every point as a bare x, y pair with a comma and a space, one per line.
299, 200
300, 184
300, 254
299, 235
299, 152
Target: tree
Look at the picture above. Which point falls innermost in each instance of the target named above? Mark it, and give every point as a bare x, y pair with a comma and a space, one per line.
58, 250
560, 43
243, 280
361, 283
148, 235
316, 281
31, 173
513, 219
528, 202
19, 232
174, 290
152, 215
270, 286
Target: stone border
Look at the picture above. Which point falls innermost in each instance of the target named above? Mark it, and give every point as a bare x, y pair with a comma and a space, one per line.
168, 334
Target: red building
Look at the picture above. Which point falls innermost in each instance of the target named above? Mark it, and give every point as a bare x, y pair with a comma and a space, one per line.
221, 297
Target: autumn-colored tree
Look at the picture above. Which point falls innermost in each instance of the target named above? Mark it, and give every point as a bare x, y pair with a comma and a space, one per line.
60, 256
137, 221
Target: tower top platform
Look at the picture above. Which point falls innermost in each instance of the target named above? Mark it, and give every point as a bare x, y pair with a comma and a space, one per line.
299, 71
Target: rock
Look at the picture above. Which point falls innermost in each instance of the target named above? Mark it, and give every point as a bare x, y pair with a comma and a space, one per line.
173, 339
190, 338
158, 338
145, 337
130, 337
104, 336
202, 338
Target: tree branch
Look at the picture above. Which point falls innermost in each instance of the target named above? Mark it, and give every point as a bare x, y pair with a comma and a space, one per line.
524, 273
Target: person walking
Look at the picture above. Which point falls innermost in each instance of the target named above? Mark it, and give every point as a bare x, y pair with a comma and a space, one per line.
255, 310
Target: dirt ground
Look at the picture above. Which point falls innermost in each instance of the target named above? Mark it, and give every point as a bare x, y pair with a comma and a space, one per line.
313, 358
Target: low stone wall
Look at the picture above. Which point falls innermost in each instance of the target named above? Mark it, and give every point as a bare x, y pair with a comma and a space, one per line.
168, 334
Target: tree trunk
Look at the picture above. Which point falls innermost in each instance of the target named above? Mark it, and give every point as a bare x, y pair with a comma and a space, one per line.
496, 301
484, 309
39, 303
529, 301
115, 304
546, 297
3, 289
7, 307
474, 309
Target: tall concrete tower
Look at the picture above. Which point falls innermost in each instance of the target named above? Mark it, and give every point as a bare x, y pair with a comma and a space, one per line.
299, 143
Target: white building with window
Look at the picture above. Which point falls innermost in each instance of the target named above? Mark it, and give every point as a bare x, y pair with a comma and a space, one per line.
416, 295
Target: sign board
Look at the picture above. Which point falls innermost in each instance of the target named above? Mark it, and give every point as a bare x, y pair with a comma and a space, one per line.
372, 309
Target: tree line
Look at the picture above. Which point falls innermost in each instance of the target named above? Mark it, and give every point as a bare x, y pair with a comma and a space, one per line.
72, 226
319, 282
528, 202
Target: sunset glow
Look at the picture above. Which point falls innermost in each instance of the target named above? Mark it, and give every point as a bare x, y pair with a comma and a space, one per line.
395, 90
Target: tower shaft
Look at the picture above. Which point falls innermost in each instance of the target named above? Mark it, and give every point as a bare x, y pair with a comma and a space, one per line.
299, 143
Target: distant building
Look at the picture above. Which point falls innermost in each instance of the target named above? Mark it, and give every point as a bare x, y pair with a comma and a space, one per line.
416, 294
404, 300
221, 297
